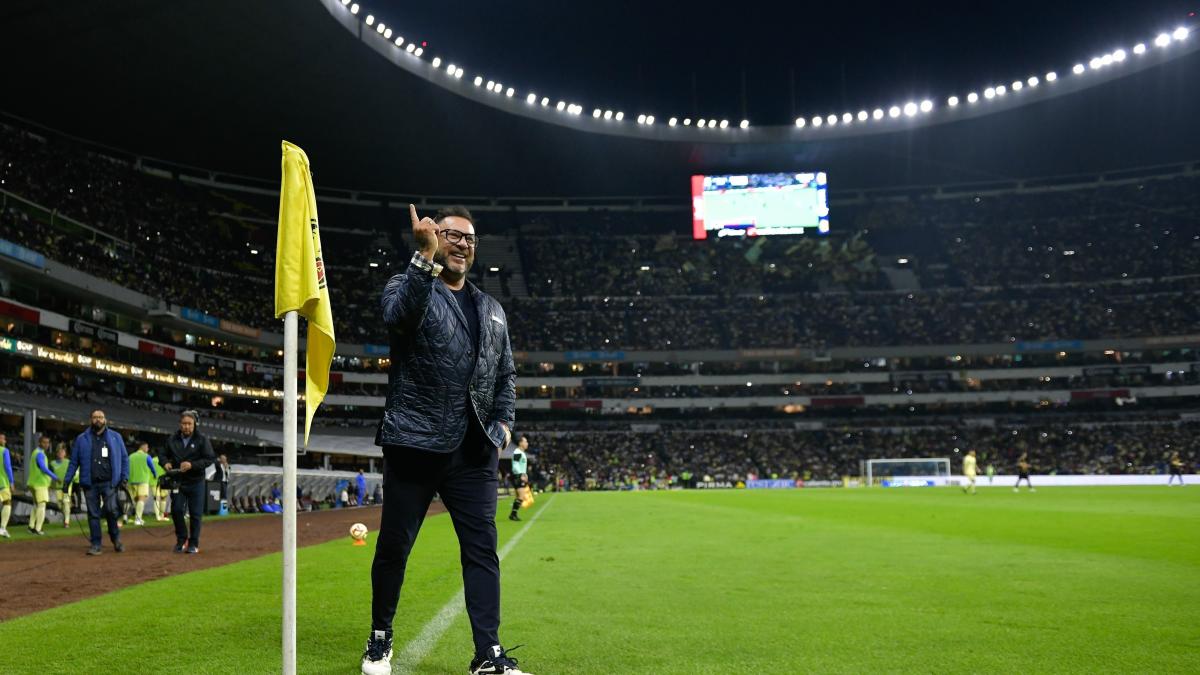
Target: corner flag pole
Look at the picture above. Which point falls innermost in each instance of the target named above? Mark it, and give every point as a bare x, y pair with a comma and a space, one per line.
290, 323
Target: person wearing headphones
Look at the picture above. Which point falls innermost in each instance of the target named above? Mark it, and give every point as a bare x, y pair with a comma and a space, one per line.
189, 453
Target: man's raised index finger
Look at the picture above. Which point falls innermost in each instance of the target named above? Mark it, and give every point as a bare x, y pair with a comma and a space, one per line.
412, 211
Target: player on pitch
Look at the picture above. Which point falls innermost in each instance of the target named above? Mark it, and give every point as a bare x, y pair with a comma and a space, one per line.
450, 408
969, 470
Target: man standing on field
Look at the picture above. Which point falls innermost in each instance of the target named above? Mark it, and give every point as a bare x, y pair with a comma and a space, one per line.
451, 404
969, 470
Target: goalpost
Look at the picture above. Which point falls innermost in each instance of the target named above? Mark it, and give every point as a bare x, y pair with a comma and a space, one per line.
907, 472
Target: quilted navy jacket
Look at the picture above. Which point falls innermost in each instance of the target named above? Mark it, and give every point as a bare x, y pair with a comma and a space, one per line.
434, 365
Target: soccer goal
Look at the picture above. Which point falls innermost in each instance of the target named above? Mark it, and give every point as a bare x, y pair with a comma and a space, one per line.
908, 472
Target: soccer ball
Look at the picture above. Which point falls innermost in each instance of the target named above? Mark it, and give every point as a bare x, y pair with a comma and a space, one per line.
358, 531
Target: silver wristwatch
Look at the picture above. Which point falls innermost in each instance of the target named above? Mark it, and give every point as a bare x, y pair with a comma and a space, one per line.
433, 268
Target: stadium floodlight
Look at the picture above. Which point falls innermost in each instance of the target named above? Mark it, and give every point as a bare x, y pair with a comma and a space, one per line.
910, 109
1162, 40
1033, 81
1095, 63
1017, 85
712, 124
894, 111
379, 29
989, 93
491, 85
952, 101
1051, 76
1078, 69
595, 113
671, 122
510, 91
437, 62
371, 20
862, 116
1001, 90
387, 34
546, 102
451, 68
877, 114
687, 121
926, 105
1180, 33
1139, 49
345, 2
458, 73
478, 80
410, 48
724, 123
399, 42
650, 120
817, 121
608, 114
847, 118
972, 97
1119, 55
354, 8
619, 116
531, 99
1106, 60
700, 122
800, 122
420, 51
831, 120
641, 119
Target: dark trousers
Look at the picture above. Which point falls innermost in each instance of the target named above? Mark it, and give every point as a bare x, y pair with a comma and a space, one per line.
189, 500
466, 481
102, 501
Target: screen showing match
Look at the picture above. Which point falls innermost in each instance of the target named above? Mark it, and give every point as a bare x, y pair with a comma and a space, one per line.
750, 205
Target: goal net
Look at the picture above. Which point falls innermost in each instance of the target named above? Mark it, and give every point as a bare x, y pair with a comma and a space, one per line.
907, 472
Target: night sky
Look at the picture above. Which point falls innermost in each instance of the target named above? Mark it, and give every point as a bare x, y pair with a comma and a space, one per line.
217, 84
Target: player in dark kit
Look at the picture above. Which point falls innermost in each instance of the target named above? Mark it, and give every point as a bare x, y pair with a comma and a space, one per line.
1176, 468
1023, 473
520, 475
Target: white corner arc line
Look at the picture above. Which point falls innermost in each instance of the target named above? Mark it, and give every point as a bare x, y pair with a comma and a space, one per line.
420, 646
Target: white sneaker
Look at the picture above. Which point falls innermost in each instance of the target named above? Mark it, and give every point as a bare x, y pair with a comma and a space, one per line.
4, 533
139, 521
377, 657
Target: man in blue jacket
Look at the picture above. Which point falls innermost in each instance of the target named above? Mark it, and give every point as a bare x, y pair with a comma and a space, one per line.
100, 457
451, 404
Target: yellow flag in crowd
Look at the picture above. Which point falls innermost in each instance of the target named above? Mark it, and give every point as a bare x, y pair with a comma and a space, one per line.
300, 275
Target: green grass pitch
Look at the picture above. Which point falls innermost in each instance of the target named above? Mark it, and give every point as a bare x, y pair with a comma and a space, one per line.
919, 580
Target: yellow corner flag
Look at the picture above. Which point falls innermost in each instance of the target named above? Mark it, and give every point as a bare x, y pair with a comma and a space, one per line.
300, 275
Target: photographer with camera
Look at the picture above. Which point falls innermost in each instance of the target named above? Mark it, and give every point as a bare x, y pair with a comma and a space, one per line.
187, 456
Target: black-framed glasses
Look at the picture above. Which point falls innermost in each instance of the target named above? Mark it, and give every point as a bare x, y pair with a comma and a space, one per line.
454, 237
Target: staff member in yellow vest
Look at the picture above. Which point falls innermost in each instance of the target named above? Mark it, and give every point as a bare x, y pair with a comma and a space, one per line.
39, 477
161, 495
6, 483
63, 493
141, 471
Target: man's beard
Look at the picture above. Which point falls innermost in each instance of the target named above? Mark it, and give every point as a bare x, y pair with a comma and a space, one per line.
97, 427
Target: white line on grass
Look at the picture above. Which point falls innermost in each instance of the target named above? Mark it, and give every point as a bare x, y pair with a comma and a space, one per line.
420, 646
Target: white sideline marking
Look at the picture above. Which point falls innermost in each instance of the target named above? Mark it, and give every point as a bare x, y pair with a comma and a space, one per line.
420, 646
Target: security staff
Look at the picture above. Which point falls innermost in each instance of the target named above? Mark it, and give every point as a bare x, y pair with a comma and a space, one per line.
100, 457
192, 453
451, 405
